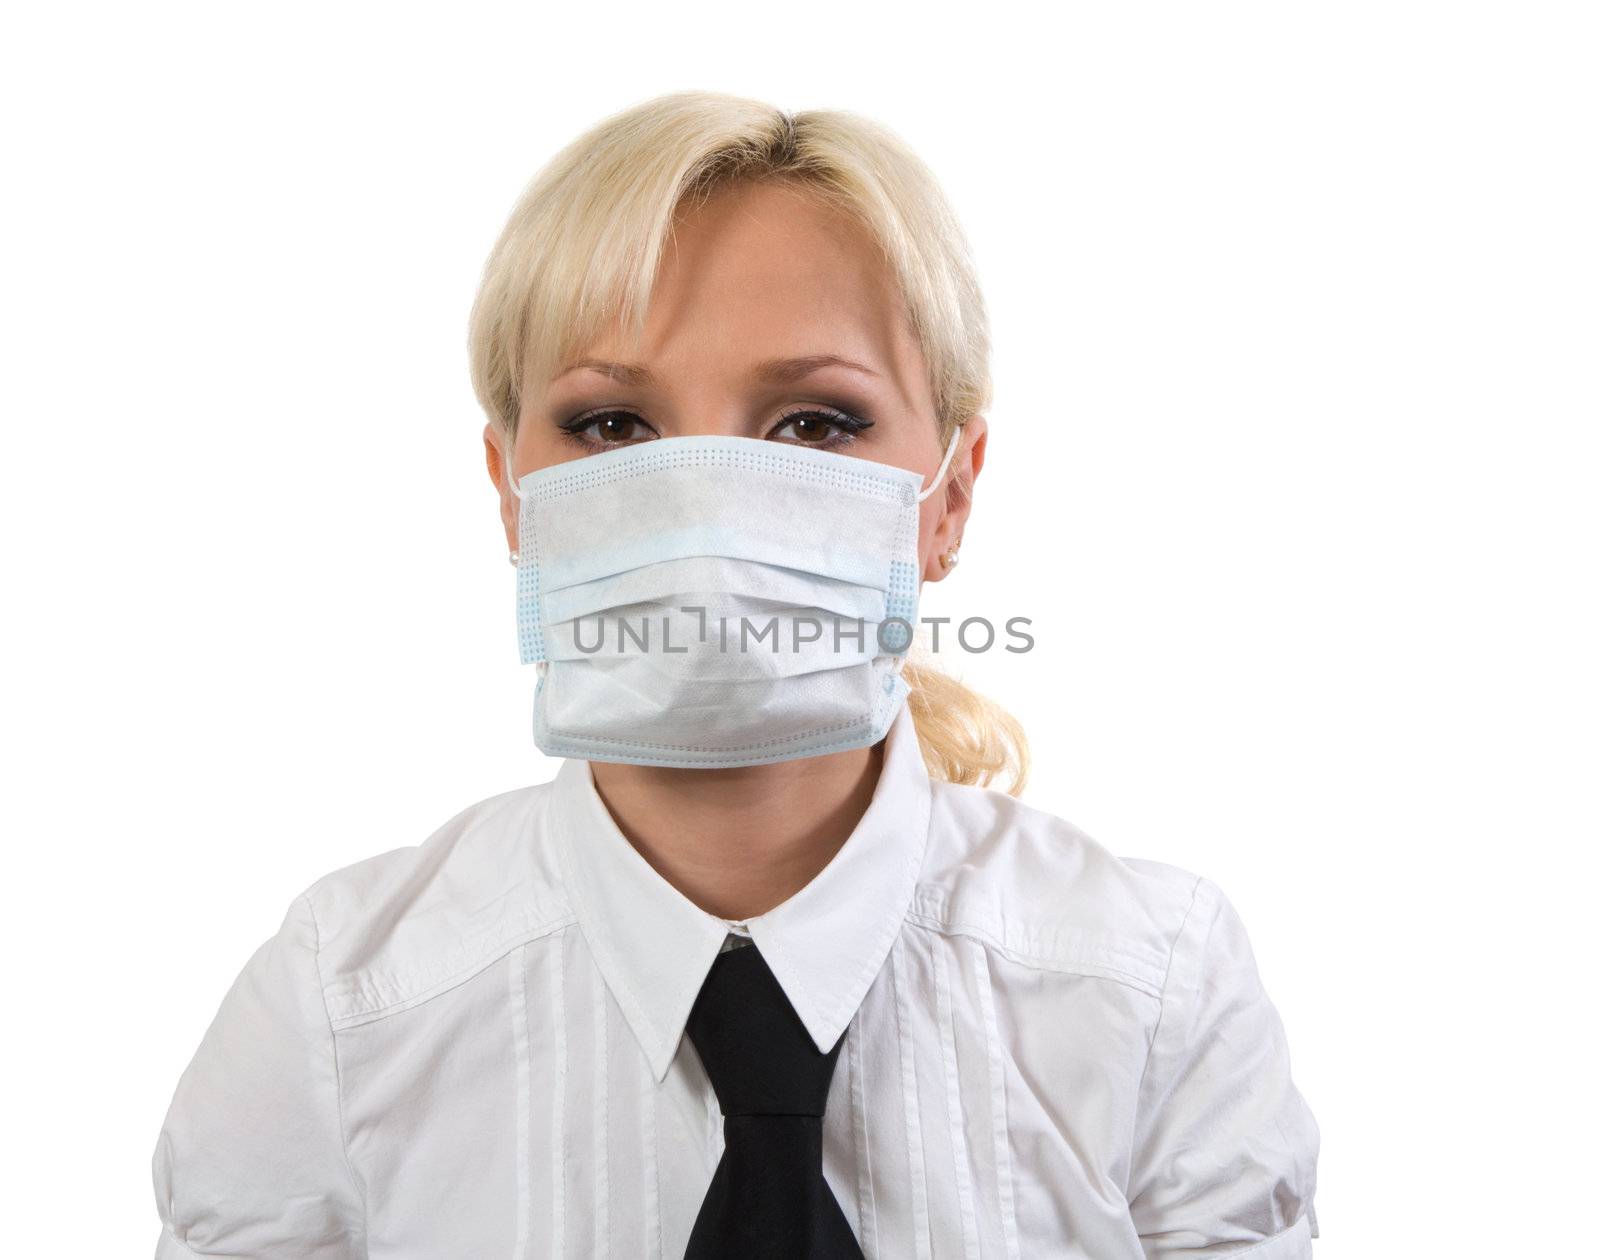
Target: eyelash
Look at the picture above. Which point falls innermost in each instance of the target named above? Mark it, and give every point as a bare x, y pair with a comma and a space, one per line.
846, 426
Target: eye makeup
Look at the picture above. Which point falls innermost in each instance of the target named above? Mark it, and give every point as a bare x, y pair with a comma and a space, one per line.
809, 424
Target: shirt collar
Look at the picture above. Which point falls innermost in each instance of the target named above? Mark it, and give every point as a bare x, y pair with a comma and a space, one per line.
825, 944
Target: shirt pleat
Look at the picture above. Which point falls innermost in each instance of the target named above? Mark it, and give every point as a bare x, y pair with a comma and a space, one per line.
999, 1132
517, 992
649, 1162
556, 977
866, 1207
601, 1116
958, 1141
909, 1104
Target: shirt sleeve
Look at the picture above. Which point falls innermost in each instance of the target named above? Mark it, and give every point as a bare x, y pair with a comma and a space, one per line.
1225, 1148
251, 1160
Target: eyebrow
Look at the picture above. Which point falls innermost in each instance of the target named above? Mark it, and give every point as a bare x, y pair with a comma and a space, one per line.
768, 372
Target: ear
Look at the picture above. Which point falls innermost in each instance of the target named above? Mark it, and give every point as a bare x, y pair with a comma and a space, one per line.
944, 533
494, 454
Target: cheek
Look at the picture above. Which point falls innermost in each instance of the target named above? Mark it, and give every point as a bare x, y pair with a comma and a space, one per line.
540, 446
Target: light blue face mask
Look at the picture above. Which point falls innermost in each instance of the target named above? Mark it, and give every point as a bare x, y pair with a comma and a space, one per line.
717, 601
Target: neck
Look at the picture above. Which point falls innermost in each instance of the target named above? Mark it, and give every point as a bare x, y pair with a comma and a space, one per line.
739, 842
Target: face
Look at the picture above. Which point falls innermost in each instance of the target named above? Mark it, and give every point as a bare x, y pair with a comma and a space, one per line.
772, 318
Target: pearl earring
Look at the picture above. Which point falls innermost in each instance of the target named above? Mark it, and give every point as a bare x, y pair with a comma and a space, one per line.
950, 558
514, 558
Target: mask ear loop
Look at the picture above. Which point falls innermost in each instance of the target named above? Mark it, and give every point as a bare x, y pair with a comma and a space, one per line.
944, 464
938, 479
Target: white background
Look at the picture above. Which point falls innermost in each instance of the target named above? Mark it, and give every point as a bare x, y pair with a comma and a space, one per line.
1293, 464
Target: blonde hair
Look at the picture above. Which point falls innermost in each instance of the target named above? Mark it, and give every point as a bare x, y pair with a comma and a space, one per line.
583, 244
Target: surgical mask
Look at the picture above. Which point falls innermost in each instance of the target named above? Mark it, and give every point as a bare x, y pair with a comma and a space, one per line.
717, 601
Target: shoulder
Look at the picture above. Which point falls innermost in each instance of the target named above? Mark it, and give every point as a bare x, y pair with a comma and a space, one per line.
402, 925
1045, 893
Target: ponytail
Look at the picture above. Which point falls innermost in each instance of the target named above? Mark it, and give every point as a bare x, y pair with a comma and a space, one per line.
965, 737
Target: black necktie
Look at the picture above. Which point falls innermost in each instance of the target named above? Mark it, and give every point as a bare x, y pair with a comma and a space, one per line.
768, 1199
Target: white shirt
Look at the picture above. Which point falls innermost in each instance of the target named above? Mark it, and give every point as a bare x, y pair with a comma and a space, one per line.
474, 1047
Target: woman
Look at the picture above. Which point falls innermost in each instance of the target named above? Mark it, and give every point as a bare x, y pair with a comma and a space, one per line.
766, 970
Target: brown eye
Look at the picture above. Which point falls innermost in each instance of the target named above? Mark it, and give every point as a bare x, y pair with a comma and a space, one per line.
818, 427
607, 428
617, 426
812, 427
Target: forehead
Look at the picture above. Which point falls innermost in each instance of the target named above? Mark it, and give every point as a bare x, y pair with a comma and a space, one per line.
767, 270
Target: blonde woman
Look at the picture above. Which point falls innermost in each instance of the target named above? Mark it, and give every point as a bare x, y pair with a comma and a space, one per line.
771, 968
